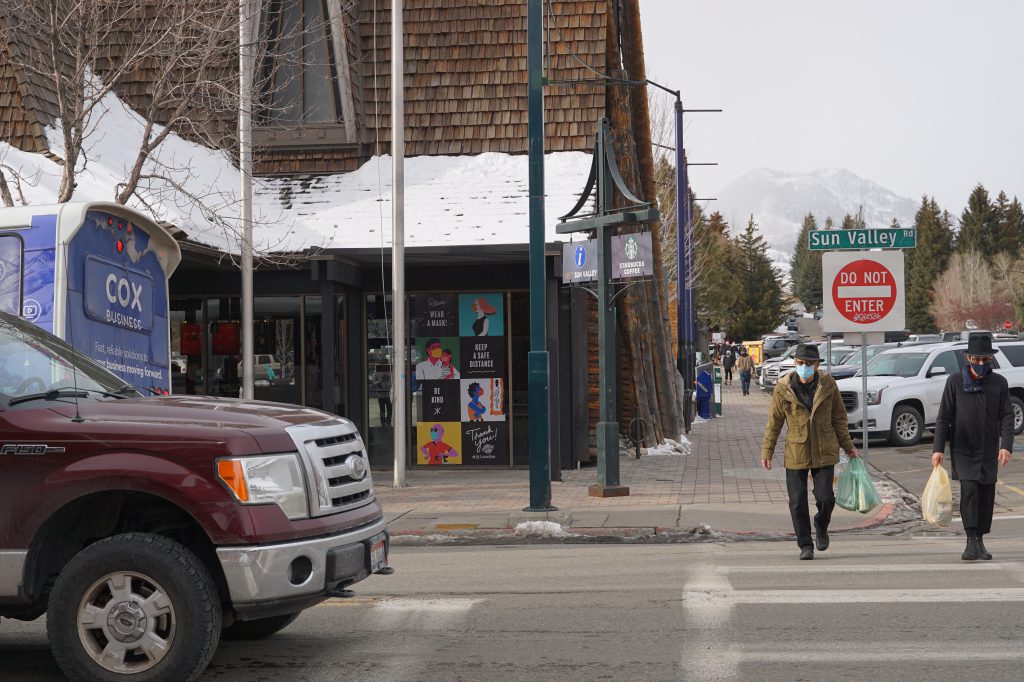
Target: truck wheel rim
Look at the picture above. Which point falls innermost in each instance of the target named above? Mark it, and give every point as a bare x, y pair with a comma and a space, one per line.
906, 426
1018, 417
126, 622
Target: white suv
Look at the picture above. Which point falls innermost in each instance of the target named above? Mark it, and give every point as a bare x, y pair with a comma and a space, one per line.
905, 386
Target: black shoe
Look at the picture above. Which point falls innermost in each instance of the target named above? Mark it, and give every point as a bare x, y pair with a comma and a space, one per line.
806, 553
972, 552
985, 554
821, 538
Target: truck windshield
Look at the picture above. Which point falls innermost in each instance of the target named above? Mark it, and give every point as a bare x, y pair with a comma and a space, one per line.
896, 364
35, 362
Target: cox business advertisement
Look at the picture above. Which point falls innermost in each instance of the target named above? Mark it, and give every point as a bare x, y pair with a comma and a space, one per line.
117, 301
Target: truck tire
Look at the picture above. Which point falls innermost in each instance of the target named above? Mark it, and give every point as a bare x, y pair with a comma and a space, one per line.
258, 629
906, 427
134, 607
1018, 414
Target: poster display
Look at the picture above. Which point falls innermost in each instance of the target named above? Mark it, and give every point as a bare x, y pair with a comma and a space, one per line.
460, 378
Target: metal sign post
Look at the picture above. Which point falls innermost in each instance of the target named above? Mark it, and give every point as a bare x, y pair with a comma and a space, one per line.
605, 178
864, 291
864, 392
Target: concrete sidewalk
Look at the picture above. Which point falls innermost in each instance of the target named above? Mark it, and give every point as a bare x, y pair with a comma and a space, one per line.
719, 490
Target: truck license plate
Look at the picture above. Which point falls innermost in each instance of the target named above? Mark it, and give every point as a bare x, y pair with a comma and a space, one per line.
378, 553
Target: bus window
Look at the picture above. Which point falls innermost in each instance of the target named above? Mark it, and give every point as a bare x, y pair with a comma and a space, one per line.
10, 273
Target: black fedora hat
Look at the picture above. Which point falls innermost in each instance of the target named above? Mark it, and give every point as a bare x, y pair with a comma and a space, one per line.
807, 351
980, 345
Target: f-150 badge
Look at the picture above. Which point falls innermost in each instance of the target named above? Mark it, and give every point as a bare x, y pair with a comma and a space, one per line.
29, 449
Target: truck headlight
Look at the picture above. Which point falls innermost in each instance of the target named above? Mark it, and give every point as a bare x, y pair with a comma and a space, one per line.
875, 396
270, 479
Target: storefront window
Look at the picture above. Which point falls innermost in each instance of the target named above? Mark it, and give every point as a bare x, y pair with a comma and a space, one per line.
276, 325
379, 327
224, 334
187, 372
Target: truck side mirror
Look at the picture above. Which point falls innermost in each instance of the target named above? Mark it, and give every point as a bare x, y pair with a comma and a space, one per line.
935, 371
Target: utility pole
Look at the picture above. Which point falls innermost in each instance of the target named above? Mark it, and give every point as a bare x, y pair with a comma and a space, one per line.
399, 380
537, 360
686, 307
245, 168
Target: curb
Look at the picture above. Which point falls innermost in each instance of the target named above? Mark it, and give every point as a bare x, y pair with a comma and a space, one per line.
641, 535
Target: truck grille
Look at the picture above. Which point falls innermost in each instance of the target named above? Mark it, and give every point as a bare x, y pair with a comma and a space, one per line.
337, 467
849, 400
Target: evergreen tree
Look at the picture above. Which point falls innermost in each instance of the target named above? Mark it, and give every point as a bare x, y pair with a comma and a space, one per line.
760, 309
805, 267
979, 225
719, 290
1010, 222
849, 223
926, 263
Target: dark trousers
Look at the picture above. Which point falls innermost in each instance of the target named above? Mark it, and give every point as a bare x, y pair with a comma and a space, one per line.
796, 486
385, 410
976, 503
728, 373
745, 382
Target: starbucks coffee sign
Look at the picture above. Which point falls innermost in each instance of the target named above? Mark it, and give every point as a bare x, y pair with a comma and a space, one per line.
632, 255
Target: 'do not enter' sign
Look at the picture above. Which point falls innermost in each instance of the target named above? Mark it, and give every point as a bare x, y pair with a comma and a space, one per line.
864, 291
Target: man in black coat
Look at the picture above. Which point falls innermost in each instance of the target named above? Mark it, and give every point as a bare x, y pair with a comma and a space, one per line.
976, 417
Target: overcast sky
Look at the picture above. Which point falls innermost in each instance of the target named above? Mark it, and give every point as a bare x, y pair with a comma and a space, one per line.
921, 96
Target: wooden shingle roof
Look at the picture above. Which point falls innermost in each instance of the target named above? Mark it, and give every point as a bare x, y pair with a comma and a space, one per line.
465, 74
465, 82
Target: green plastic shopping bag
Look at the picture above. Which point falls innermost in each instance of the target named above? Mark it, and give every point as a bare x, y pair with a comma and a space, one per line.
937, 499
856, 491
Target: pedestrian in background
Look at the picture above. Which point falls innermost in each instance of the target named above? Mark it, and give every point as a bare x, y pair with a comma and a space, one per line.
809, 404
976, 418
728, 362
745, 367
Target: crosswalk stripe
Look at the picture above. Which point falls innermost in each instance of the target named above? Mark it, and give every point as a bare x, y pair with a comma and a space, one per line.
830, 567
897, 595
861, 652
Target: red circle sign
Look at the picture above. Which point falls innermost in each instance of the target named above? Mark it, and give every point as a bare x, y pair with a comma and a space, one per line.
864, 291
1007, 325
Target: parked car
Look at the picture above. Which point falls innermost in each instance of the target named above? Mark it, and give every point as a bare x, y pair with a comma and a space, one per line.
265, 367
905, 386
777, 345
147, 528
787, 363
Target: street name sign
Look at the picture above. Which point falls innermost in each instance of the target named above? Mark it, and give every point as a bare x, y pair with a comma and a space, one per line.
863, 292
839, 240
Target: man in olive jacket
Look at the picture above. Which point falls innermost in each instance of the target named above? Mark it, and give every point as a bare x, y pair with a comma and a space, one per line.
976, 417
808, 402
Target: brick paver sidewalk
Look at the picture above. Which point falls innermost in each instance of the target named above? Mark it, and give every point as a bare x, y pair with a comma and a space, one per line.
723, 468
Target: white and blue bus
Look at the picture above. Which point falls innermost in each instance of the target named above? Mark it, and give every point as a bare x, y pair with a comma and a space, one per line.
95, 274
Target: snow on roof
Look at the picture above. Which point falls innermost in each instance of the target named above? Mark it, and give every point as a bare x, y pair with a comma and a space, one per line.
449, 200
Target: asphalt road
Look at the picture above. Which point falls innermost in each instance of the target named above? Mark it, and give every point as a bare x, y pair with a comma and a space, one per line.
872, 607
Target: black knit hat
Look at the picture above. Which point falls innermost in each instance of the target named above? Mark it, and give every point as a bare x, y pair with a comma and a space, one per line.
980, 344
807, 351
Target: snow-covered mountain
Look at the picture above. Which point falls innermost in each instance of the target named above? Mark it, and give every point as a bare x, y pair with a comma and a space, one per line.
780, 200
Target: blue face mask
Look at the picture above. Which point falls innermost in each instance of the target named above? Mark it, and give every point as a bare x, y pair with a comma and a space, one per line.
805, 372
981, 370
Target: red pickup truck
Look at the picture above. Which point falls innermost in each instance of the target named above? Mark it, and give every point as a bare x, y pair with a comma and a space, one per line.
147, 528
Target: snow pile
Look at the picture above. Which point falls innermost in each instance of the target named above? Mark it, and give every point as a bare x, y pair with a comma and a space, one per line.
540, 529
449, 200
670, 448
